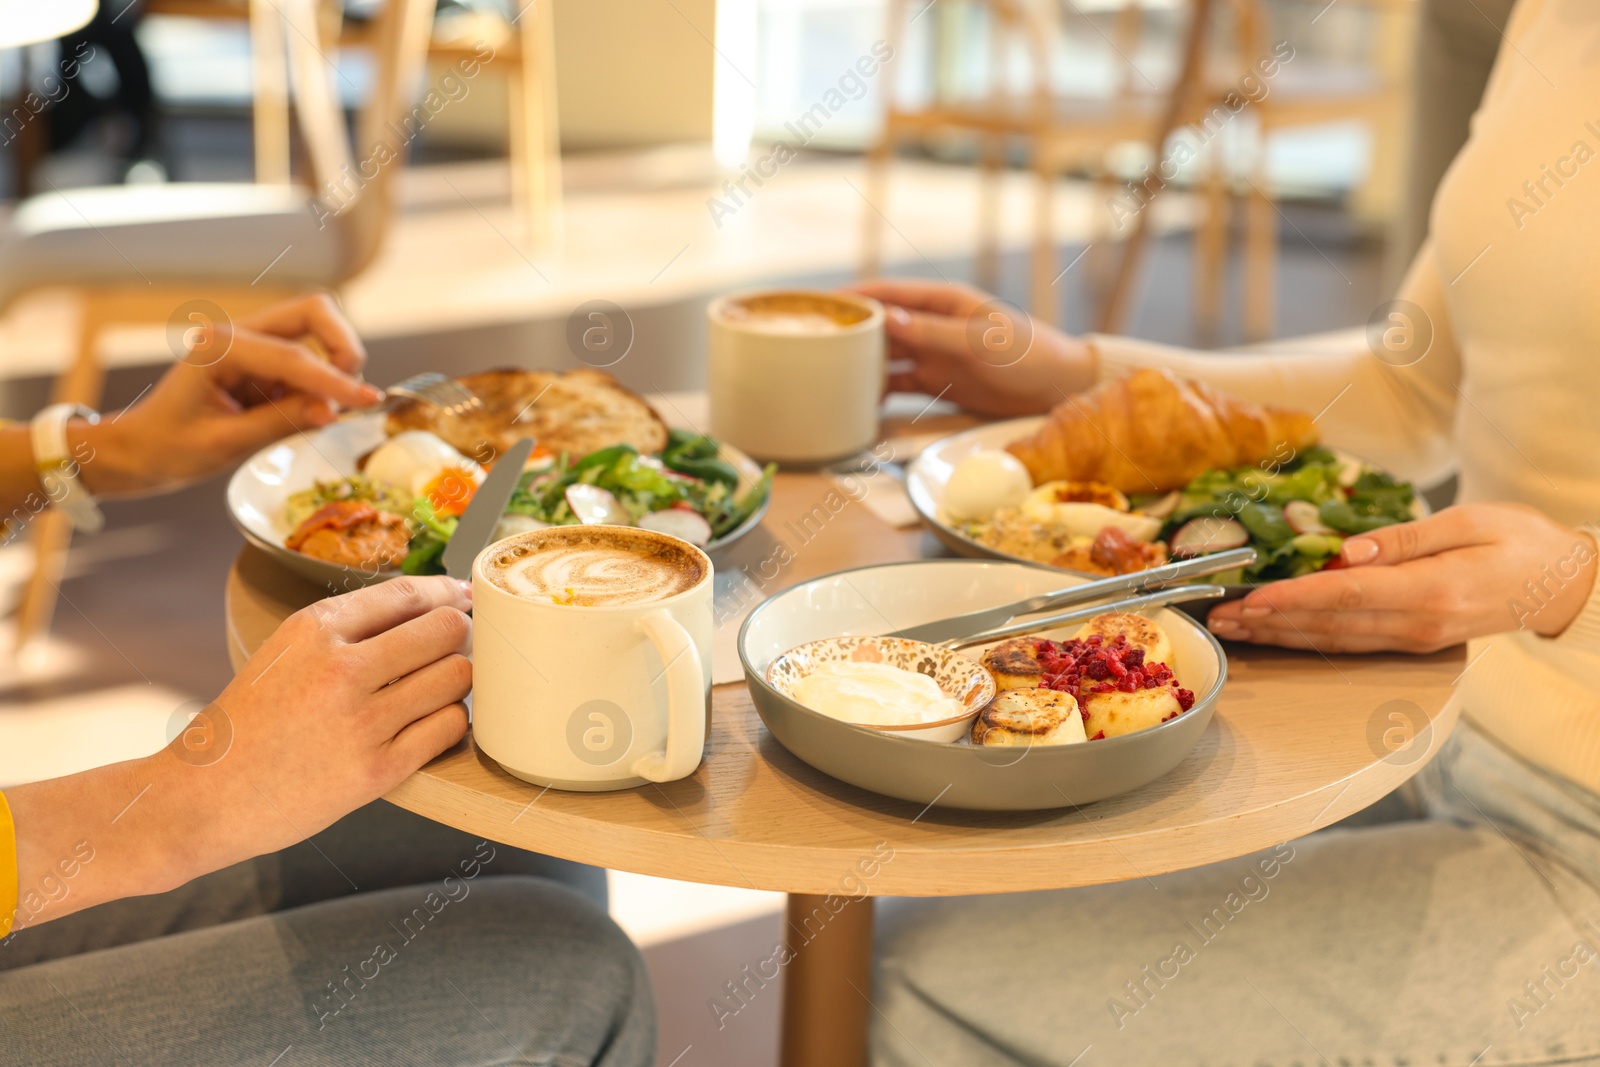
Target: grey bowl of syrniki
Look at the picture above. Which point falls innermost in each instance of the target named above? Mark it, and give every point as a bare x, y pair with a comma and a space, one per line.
1067, 717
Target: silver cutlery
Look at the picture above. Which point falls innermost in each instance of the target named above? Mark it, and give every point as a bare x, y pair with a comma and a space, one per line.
476, 526
1159, 599
430, 387
1156, 577
440, 390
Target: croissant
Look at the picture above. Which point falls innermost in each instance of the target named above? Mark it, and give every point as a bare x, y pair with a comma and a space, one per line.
1153, 432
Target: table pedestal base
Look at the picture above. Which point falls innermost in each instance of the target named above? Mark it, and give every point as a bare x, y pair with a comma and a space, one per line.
827, 982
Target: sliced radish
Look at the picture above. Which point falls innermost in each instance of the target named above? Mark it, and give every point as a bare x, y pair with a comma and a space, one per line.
1162, 506
593, 505
1208, 533
513, 524
691, 526
1302, 517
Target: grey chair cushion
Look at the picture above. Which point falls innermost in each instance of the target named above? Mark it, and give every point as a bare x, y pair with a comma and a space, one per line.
205, 233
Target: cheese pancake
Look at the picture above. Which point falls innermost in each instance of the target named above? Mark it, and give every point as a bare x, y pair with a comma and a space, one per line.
1030, 717
1015, 664
1141, 633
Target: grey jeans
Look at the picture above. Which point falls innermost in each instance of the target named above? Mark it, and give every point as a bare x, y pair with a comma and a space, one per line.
386, 940
1470, 936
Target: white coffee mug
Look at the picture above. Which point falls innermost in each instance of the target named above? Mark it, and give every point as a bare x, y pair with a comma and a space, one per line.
796, 396
591, 698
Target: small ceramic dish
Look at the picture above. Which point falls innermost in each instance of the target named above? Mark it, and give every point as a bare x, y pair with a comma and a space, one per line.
962, 679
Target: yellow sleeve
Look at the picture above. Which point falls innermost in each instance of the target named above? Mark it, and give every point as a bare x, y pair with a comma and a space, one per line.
8, 868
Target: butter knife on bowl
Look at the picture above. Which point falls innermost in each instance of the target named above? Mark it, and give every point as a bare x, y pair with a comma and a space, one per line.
1086, 593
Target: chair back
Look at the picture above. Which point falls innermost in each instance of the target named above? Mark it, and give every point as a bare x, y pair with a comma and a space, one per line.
355, 189
1034, 27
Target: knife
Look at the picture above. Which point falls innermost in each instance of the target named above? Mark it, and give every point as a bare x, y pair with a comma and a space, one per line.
1138, 582
484, 511
1159, 599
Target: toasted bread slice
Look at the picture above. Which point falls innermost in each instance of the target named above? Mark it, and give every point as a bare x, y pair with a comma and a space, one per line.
1022, 717
1140, 632
576, 412
1014, 664
1115, 714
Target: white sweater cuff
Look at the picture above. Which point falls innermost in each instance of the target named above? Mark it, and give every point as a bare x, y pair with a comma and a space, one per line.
1120, 355
1583, 632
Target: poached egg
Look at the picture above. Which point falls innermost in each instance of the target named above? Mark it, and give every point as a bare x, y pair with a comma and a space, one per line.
425, 465
985, 482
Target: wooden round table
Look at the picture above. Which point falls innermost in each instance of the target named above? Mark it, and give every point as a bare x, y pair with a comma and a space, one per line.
1299, 741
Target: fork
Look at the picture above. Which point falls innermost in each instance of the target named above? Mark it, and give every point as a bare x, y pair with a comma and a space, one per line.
430, 387
440, 390
1160, 598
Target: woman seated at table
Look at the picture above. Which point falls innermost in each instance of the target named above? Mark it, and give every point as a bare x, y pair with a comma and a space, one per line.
1471, 936
173, 910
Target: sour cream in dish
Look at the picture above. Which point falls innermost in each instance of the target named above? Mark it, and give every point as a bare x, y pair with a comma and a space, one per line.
875, 694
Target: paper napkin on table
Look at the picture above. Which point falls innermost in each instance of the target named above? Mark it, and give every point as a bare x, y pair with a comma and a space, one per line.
884, 494
876, 478
745, 576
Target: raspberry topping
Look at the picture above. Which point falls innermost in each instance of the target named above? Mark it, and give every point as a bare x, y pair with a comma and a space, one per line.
1095, 665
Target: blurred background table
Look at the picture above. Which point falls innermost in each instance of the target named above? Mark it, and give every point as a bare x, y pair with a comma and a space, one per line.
1299, 741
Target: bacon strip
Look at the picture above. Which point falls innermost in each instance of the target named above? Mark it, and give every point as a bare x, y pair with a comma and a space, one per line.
339, 515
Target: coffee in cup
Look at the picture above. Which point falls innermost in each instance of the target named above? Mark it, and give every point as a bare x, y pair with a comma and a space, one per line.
596, 566
796, 376
794, 313
591, 656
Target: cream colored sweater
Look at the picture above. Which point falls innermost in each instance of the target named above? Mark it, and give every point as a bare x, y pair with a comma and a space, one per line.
1509, 391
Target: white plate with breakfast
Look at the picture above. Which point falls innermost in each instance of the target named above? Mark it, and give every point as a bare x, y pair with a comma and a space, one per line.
1148, 468
374, 496
1048, 720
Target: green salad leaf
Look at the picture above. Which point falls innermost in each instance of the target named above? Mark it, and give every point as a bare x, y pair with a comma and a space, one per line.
687, 473
1348, 498
427, 544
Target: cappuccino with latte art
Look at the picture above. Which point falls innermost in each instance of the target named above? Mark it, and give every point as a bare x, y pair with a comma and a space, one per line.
591, 656
594, 566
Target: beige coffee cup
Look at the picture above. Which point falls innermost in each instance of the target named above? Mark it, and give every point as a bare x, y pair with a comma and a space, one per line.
591, 696
796, 376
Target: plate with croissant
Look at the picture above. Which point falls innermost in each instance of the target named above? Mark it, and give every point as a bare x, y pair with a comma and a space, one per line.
1149, 467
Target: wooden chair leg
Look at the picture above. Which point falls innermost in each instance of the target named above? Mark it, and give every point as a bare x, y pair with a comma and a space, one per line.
1211, 250
49, 535
51, 532
877, 205
1260, 263
534, 142
987, 268
1099, 262
1042, 293
270, 110
517, 150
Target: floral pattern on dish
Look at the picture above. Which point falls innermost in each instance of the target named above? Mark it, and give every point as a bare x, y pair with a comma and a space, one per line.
963, 679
